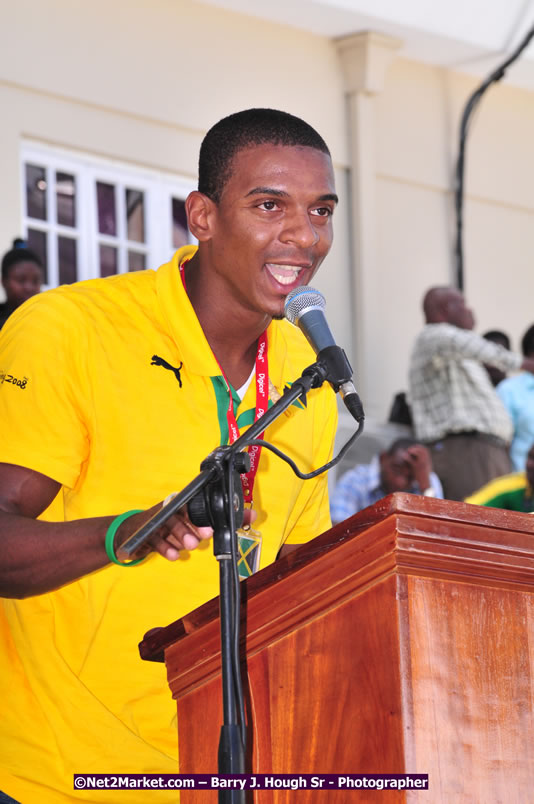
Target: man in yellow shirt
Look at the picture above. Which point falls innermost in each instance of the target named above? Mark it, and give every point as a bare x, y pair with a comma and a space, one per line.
112, 391
514, 492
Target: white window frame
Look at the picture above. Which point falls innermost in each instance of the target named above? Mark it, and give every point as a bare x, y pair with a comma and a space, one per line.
158, 188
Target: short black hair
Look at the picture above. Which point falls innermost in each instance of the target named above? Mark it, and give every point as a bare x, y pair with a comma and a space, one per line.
19, 253
527, 342
401, 443
498, 336
244, 130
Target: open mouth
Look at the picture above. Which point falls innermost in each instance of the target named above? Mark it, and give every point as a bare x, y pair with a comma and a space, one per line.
284, 274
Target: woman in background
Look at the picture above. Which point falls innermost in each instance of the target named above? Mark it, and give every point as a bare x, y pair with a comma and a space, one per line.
22, 277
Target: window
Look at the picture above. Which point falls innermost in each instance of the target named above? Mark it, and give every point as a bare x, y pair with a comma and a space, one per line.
88, 218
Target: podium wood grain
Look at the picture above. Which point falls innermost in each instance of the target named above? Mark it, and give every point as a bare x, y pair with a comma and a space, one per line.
401, 641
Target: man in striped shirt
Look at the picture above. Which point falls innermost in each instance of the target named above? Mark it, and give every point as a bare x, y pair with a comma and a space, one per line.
456, 411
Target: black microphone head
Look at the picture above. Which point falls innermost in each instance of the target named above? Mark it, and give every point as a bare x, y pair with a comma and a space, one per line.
300, 300
305, 307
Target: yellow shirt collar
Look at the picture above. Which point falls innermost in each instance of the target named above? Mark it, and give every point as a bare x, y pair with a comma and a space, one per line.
184, 326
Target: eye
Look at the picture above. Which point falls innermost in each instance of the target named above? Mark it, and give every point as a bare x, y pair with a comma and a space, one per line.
322, 212
268, 206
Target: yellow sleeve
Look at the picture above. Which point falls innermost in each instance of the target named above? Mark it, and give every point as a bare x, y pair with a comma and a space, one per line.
43, 388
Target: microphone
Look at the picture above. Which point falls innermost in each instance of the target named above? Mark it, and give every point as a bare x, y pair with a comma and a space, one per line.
304, 307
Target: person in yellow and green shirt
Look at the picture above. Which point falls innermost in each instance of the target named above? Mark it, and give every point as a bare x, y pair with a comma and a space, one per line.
112, 391
515, 491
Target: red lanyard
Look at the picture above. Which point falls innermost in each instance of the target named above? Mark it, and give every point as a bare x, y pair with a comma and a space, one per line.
262, 403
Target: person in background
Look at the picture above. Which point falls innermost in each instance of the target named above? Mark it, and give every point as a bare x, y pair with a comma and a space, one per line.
517, 394
515, 491
22, 277
497, 375
400, 410
455, 409
406, 466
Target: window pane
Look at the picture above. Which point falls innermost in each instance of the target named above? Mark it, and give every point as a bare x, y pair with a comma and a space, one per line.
66, 252
135, 215
36, 192
37, 242
179, 224
108, 260
107, 216
65, 199
136, 261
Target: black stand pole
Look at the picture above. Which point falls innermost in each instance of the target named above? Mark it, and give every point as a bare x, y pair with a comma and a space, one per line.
221, 505
231, 756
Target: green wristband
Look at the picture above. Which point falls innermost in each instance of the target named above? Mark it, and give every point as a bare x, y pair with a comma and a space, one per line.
110, 539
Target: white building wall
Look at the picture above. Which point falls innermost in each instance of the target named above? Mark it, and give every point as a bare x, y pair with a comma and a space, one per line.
417, 129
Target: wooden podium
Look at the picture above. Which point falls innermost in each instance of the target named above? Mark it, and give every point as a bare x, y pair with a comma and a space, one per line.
400, 641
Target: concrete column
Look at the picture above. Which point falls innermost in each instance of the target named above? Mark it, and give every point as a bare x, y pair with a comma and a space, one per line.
365, 58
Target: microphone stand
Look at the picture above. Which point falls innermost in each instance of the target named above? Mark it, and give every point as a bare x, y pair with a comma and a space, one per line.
215, 497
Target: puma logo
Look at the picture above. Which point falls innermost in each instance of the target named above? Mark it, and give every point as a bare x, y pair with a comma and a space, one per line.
159, 361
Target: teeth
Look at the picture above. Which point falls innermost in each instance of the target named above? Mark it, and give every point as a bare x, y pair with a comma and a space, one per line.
285, 274
285, 280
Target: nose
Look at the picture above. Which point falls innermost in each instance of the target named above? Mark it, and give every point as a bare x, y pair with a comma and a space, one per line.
30, 288
299, 230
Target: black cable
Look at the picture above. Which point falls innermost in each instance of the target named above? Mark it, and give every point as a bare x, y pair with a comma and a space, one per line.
259, 442
471, 104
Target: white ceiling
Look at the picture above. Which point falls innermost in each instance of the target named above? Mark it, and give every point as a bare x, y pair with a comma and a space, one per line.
473, 36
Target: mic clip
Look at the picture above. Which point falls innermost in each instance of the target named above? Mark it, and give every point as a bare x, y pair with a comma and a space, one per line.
335, 365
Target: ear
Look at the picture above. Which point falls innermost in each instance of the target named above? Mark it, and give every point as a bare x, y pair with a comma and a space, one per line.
200, 212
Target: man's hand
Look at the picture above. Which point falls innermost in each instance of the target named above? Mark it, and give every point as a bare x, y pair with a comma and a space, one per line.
178, 533
421, 464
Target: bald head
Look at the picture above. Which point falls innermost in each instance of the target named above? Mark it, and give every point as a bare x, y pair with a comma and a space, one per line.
434, 304
447, 305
